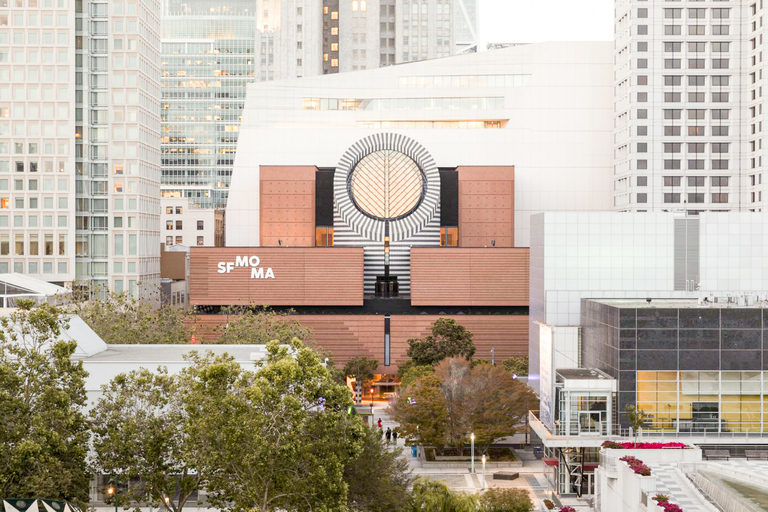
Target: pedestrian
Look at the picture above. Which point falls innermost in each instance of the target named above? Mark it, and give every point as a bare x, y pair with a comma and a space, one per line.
394, 436
379, 423
381, 433
388, 434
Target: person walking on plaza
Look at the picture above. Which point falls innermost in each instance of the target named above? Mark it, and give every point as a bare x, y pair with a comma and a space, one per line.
394, 436
379, 423
389, 434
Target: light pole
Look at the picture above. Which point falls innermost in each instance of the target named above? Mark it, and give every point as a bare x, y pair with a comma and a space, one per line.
483, 471
112, 492
472, 452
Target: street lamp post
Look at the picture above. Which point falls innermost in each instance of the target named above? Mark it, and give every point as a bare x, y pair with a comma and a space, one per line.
112, 492
472, 452
484, 472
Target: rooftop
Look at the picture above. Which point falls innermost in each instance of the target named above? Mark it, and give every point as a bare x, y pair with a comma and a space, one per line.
168, 354
751, 301
583, 374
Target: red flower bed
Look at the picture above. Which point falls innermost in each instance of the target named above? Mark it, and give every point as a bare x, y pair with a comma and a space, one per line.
637, 465
665, 505
642, 446
567, 509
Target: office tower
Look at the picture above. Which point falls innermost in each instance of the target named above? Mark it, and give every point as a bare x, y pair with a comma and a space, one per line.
79, 160
465, 25
688, 106
117, 52
211, 52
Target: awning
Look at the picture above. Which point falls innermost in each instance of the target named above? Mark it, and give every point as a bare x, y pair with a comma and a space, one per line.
550, 461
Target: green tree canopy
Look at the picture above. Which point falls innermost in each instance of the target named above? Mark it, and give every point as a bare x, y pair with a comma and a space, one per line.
437, 497
259, 326
43, 432
138, 434
448, 339
516, 365
506, 500
278, 438
361, 368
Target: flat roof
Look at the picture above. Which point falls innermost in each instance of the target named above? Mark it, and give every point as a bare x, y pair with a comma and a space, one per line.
582, 374
165, 354
709, 303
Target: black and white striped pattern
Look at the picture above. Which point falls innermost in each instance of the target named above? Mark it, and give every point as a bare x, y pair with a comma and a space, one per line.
419, 229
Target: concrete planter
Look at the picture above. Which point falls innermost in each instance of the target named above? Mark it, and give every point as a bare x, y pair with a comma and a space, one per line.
464, 462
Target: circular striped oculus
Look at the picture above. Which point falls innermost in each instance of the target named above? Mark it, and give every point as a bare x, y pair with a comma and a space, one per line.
387, 185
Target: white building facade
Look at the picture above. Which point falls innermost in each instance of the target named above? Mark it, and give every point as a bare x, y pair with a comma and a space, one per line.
491, 108
186, 223
689, 106
79, 159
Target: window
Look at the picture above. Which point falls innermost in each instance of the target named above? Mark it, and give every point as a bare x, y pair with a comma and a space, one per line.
671, 164
720, 80
719, 131
169, 240
719, 63
179, 224
696, 147
200, 225
719, 165
642, 181
696, 97
696, 165
642, 130
642, 113
642, 97
720, 147
697, 13
642, 12
720, 47
696, 131
642, 63
168, 225
673, 80
697, 197
642, 164
334, 31
169, 210
671, 131
672, 113
697, 80
642, 147
719, 97
642, 197
720, 114
334, 15
672, 30
673, 47
672, 181
179, 210
672, 147
722, 13
668, 63
642, 46
720, 30
696, 114
719, 198
696, 63
672, 197
334, 63
200, 240
671, 97
697, 47
642, 80
673, 13
695, 181
720, 181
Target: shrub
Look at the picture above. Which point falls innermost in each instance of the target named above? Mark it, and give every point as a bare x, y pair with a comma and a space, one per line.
549, 504
642, 446
661, 498
612, 444
670, 507
567, 509
506, 500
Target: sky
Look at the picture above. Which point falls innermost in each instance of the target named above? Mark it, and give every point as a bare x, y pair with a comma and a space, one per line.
530, 21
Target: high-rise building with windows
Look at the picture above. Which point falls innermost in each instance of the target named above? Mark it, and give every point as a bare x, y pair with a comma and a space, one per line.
79, 124
211, 52
689, 106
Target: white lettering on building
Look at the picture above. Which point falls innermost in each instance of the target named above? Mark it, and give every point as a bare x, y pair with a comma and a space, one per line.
257, 272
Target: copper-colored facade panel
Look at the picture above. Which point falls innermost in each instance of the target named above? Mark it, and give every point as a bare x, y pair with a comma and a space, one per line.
287, 206
173, 265
348, 336
486, 206
447, 276
304, 276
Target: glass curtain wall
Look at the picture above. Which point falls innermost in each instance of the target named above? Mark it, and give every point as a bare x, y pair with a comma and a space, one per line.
207, 62
704, 401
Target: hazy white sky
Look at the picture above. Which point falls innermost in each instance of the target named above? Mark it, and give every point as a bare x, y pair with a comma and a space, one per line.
529, 21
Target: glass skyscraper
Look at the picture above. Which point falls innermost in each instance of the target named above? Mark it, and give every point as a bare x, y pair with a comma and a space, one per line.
207, 61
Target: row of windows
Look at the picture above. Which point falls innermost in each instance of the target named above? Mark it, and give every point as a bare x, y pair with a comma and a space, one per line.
693, 30
33, 246
34, 203
692, 113
692, 63
697, 46
695, 164
693, 131
33, 267
693, 147
693, 80
180, 225
693, 13
180, 240
693, 181
693, 97
674, 197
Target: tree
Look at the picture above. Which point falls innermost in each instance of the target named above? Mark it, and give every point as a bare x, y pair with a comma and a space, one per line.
448, 339
277, 438
119, 318
362, 370
421, 412
458, 399
516, 365
635, 417
378, 478
413, 373
43, 432
506, 500
248, 325
428, 495
138, 434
